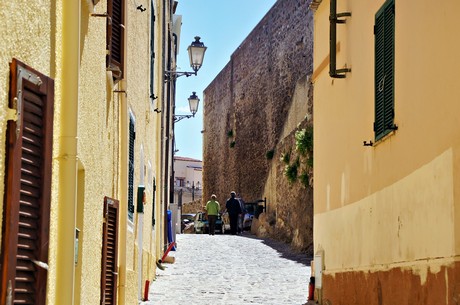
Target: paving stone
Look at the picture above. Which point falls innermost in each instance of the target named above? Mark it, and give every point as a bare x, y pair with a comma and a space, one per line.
231, 270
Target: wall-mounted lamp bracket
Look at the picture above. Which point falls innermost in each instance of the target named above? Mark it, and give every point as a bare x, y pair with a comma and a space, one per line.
179, 117
173, 75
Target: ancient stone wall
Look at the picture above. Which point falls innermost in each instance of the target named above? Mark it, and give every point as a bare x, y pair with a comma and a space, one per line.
263, 90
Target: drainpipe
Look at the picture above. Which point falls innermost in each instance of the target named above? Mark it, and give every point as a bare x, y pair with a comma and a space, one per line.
333, 20
67, 156
124, 115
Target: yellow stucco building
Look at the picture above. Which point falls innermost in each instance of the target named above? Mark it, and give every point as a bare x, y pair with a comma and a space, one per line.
81, 162
386, 152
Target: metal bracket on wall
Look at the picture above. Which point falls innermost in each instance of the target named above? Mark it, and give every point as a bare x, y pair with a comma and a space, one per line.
365, 143
334, 20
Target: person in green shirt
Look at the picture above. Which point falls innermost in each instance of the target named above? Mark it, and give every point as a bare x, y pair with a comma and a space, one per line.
212, 209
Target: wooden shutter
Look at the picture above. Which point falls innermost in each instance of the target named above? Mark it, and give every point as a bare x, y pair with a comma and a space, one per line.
115, 38
132, 137
25, 235
109, 274
384, 69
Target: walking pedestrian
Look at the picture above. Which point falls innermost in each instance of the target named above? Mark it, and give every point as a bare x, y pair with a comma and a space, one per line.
234, 211
212, 210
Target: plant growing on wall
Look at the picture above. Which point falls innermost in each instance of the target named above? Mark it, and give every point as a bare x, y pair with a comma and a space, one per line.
230, 133
270, 154
232, 144
304, 149
304, 178
286, 157
290, 170
304, 140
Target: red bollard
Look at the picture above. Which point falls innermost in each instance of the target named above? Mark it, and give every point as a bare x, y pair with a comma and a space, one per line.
311, 289
146, 290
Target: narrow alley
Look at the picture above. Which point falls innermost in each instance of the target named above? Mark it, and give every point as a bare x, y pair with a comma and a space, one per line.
231, 270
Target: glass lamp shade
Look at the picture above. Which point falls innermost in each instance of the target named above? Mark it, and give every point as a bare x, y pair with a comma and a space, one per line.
196, 53
193, 102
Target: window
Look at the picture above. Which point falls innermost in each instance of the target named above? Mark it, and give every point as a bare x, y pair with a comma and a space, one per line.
132, 137
27, 201
384, 31
115, 38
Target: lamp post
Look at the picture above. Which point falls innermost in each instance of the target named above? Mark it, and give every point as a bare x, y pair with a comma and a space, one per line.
196, 52
193, 102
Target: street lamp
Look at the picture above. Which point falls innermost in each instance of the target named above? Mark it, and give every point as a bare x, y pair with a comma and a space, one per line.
193, 102
196, 55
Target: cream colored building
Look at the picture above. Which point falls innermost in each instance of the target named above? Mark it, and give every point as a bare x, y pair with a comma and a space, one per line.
188, 181
80, 161
386, 152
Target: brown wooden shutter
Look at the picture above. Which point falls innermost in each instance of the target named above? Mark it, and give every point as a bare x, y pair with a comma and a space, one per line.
115, 38
25, 236
109, 274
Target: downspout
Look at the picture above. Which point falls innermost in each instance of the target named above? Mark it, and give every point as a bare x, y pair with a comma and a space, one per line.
67, 156
123, 127
333, 20
123, 170
167, 118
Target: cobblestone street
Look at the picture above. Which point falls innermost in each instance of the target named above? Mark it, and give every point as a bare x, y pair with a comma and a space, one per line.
231, 270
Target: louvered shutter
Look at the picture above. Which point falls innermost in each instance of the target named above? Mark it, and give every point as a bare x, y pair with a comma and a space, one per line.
384, 70
28, 187
132, 137
115, 38
109, 274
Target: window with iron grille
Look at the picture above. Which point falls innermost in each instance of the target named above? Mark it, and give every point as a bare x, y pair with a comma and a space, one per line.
132, 137
115, 38
384, 31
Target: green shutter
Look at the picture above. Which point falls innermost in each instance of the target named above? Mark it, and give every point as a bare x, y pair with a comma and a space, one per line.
384, 69
132, 136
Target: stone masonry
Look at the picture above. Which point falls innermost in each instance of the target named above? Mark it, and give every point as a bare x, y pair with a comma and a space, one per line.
252, 109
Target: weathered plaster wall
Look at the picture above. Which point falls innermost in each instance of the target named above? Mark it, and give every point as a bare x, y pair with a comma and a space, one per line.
25, 32
246, 109
387, 215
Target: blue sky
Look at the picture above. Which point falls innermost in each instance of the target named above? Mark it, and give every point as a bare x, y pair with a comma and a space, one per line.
222, 26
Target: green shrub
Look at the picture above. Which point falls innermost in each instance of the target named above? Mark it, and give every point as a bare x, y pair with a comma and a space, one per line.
286, 157
304, 140
304, 178
270, 154
290, 171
